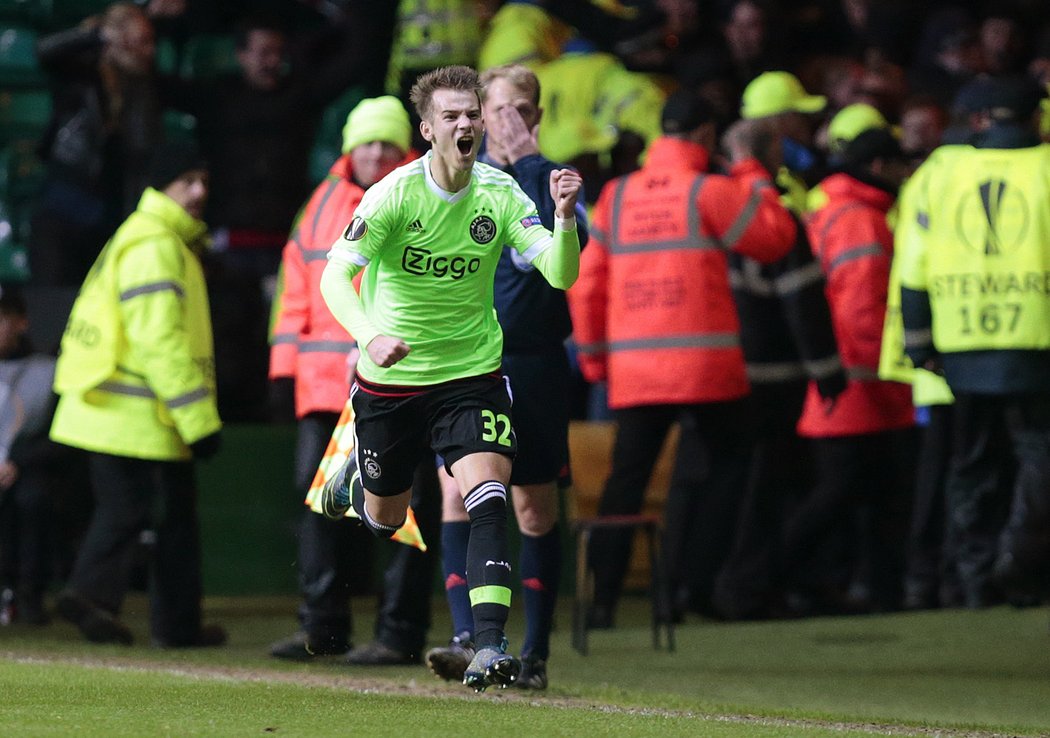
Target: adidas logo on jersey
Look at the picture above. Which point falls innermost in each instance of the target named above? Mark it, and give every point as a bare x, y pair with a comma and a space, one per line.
415, 226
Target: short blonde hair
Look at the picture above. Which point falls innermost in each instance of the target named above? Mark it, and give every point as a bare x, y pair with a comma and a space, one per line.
518, 75
457, 77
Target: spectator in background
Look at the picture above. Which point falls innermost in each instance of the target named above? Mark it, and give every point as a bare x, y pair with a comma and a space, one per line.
707, 72
106, 120
1039, 66
948, 55
312, 350
28, 469
884, 84
863, 440
922, 124
136, 383
1004, 42
745, 31
257, 126
653, 313
840, 80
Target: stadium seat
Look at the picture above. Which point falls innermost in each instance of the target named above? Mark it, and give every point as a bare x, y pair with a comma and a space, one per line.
18, 62
21, 171
14, 260
23, 113
179, 126
167, 57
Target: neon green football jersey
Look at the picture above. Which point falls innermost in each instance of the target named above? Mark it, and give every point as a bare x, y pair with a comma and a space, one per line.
430, 259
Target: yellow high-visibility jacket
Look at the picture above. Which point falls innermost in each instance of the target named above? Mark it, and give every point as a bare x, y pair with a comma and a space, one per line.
927, 388
136, 371
977, 247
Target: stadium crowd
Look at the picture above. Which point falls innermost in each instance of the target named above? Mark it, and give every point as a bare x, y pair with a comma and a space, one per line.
819, 246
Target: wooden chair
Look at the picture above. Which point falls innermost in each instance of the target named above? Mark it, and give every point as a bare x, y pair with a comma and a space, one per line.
590, 448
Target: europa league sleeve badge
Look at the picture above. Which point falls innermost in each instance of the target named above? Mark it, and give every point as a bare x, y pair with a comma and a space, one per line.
356, 230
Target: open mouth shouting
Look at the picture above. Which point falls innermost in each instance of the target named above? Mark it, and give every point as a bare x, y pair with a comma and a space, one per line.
466, 144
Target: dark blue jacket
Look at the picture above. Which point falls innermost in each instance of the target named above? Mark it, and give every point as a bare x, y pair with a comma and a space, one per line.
534, 316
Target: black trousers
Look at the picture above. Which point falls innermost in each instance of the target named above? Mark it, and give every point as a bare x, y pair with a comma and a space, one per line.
26, 534
862, 496
704, 489
332, 554
780, 474
996, 504
930, 574
132, 495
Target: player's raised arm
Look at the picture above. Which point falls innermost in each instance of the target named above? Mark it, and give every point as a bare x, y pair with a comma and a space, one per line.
560, 263
565, 188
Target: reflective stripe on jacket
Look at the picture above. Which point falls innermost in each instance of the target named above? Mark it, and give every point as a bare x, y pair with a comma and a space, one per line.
136, 372
853, 243
652, 308
307, 342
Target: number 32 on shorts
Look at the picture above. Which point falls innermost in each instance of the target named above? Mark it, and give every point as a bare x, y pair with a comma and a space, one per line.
495, 427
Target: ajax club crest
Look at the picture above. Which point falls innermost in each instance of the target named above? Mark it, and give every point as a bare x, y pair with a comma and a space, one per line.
482, 229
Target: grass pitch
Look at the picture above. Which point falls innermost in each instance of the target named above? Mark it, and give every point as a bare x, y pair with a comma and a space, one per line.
949, 673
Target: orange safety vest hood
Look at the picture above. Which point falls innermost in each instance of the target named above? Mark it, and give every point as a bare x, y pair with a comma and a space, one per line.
652, 309
853, 243
307, 342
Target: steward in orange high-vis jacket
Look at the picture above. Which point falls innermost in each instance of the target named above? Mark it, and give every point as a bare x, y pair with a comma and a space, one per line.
854, 244
653, 313
652, 309
864, 443
309, 345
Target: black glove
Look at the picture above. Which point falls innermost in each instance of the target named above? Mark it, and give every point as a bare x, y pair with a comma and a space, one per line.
205, 448
831, 386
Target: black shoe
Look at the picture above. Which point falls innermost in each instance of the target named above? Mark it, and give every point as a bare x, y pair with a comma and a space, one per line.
299, 647
209, 636
94, 623
379, 654
533, 673
450, 662
492, 666
335, 495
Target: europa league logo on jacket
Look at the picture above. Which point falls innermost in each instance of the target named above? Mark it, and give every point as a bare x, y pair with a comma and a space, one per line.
993, 219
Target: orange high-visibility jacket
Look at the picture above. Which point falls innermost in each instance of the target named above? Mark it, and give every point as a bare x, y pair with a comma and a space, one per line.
854, 244
307, 342
652, 309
